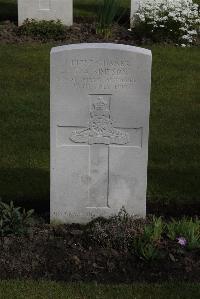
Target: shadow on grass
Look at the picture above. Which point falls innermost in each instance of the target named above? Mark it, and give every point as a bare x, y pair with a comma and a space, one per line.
173, 183
8, 11
173, 192
28, 188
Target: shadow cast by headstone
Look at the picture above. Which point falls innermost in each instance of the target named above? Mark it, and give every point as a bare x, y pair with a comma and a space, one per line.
174, 192
30, 189
26, 187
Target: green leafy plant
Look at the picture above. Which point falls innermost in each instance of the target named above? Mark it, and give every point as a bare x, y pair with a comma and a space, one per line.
146, 245
44, 30
109, 11
146, 250
155, 229
185, 228
13, 220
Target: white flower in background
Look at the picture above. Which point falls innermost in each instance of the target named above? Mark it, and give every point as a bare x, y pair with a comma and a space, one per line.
179, 18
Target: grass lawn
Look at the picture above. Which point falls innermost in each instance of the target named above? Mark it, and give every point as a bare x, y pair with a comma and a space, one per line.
174, 159
174, 147
24, 123
48, 290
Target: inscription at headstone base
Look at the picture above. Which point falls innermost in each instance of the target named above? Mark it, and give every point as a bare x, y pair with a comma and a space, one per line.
46, 10
100, 102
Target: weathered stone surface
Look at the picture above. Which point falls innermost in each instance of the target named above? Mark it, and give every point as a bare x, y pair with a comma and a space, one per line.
100, 102
46, 10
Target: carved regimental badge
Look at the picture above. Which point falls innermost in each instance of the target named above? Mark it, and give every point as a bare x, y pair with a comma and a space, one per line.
100, 128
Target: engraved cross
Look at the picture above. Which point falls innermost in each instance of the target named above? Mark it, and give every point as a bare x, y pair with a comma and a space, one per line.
99, 136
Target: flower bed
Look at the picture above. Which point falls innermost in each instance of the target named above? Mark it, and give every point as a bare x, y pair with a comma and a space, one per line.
168, 20
80, 32
120, 249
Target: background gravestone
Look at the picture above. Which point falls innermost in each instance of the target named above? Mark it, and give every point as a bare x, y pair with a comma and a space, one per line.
100, 102
46, 10
134, 8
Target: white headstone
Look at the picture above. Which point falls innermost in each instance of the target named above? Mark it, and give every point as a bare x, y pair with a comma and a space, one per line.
100, 102
134, 8
46, 10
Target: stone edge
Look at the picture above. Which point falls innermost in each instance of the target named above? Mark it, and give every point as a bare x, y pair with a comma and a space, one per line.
109, 46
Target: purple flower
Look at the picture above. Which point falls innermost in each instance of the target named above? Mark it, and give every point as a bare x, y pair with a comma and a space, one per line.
182, 241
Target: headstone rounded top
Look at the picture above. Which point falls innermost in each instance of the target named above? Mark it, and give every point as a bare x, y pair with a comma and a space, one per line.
109, 46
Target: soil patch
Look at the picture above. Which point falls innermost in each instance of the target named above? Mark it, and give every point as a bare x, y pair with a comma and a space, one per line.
78, 33
74, 253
